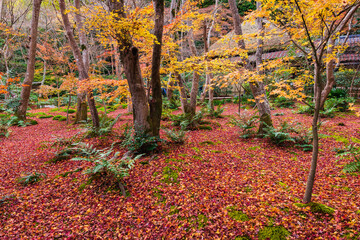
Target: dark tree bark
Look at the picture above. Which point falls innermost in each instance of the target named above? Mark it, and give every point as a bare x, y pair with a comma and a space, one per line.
81, 108
83, 73
129, 56
30, 70
156, 97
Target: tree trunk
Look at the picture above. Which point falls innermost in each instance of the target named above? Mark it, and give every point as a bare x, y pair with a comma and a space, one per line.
196, 78
81, 109
237, 22
117, 63
129, 56
44, 74
30, 70
330, 78
156, 97
211, 93
315, 153
183, 94
257, 88
81, 65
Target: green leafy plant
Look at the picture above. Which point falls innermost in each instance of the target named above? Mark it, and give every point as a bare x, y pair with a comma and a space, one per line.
283, 102
246, 122
352, 150
139, 142
108, 167
215, 113
106, 125
5, 124
31, 178
188, 121
178, 137
279, 135
166, 114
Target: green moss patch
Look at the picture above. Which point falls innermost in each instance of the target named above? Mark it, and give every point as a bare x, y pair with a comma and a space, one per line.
317, 208
273, 233
46, 116
170, 174
59, 118
237, 215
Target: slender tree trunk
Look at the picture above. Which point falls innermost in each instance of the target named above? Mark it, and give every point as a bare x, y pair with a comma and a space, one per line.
156, 98
81, 65
315, 153
183, 94
330, 78
30, 71
196, 78
169, 89
44, 74
211, 93
352, 80
237, 22
67, 109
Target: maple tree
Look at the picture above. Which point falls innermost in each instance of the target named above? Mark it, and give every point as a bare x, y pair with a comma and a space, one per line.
317, 24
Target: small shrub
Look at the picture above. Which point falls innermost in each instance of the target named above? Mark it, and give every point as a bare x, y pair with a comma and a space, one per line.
178, 137
337, 93
246, 122
31, 178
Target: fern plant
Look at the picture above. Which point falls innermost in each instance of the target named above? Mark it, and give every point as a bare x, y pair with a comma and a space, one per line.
178, 137
5, 124
107, 164
279, 135
139, 142
352, 150
246, 122
187, 121
31, 178
106, 125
